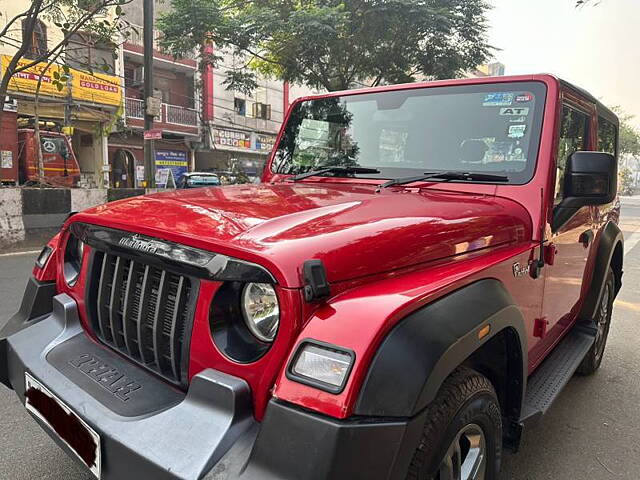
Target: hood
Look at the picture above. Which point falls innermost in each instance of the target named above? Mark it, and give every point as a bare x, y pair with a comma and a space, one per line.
354, 230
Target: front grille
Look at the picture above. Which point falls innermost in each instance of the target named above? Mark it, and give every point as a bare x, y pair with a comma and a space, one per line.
143, 311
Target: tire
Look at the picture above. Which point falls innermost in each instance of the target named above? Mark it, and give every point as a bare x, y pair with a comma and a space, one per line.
465, 414
602, 322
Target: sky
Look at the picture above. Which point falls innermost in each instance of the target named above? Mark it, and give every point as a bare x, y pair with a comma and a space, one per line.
595, 47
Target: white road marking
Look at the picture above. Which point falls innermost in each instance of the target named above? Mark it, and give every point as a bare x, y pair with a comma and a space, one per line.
15, 254
631, 242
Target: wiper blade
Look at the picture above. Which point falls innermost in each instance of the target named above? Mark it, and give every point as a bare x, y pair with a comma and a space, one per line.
479, 177
333, 169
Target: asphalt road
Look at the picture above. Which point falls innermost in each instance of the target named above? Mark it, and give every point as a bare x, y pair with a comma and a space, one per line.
591, 432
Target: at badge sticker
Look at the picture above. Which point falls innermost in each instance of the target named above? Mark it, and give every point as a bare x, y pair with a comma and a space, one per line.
520, 111
498, 99
516, 131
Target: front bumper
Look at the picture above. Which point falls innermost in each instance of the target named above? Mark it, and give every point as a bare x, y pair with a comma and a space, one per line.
150, 430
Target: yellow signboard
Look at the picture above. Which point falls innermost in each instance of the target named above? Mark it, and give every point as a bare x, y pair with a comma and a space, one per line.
26, 81
97, 88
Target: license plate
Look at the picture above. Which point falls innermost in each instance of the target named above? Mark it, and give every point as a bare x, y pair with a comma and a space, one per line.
71, 429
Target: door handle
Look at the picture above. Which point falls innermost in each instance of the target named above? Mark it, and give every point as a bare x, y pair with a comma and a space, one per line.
586, 238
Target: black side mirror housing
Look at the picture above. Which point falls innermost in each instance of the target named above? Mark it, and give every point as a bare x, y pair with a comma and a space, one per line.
591, 178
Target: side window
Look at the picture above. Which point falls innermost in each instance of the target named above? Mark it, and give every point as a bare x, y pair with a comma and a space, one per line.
574, 131
607, 137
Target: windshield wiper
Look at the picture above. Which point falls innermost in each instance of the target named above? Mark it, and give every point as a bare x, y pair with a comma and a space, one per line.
333, 169
478, 177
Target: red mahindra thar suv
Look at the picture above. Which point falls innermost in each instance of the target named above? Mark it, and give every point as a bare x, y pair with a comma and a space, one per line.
421, 271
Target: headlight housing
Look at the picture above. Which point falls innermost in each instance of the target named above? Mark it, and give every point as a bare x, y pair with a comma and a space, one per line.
73, 255
321, 365
261, 310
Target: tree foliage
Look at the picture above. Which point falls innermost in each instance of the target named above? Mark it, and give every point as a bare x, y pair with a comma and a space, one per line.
335, 44
628, 135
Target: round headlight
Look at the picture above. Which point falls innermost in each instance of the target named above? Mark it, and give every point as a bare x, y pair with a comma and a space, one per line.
73, 254
261, 310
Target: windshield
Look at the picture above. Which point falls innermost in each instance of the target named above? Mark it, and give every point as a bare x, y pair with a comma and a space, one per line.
491, 128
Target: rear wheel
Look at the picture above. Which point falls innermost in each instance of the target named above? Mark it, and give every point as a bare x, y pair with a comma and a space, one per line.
462, 436
602, 323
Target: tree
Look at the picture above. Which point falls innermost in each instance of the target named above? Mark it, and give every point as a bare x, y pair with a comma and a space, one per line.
628, 135
100, 19
334, 44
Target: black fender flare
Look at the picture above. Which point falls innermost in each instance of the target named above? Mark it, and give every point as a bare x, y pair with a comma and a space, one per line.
424, 348
611, 240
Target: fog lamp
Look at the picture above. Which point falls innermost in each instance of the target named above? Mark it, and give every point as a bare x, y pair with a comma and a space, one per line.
322, 366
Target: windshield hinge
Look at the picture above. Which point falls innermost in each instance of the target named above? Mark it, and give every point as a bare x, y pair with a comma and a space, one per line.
316, 286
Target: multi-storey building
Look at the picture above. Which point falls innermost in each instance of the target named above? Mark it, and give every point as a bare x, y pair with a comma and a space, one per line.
175, 84
240, 128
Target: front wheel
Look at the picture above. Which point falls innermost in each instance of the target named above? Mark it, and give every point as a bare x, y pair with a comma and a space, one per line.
462, 436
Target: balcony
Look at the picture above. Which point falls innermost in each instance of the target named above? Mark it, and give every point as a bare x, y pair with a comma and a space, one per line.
171, 118
135, 43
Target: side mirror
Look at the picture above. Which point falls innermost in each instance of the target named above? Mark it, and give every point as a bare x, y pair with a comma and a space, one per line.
591, 178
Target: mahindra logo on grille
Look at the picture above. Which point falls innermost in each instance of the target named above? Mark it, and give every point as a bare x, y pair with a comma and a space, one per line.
109, 378
137, 243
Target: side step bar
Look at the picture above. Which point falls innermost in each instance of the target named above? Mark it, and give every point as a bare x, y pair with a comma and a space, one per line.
546, 383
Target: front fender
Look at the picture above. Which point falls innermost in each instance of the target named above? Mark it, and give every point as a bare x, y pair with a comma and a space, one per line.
427, 346
360, 319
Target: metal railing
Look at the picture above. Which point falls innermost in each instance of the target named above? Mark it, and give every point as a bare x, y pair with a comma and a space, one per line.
134, 108
173, 114
181, 115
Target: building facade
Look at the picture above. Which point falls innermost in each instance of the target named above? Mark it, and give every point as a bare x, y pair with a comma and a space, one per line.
175, 83
86, 108
240, 129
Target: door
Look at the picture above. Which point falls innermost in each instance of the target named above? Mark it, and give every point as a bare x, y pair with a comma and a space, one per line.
572, 241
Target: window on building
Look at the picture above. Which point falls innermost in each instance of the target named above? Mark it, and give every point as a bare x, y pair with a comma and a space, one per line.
240, 106
38, 45
574, 132
607, 137
261, 110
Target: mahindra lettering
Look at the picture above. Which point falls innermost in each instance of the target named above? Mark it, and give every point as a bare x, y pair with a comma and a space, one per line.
419, 274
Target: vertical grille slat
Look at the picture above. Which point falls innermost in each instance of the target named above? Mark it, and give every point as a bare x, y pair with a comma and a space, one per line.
174, 346
128, 326
103, 294
157, 330
143, 311
115, 303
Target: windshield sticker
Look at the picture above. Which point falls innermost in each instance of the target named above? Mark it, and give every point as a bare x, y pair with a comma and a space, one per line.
514, 111
524, 97
498, 99
521, 119
516, 131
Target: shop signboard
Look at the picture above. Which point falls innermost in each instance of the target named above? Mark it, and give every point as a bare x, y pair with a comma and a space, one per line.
232, 138
97, 88
174, 160
265, 143
26, 81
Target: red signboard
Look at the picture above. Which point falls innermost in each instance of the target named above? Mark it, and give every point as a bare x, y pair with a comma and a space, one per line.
155, 134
